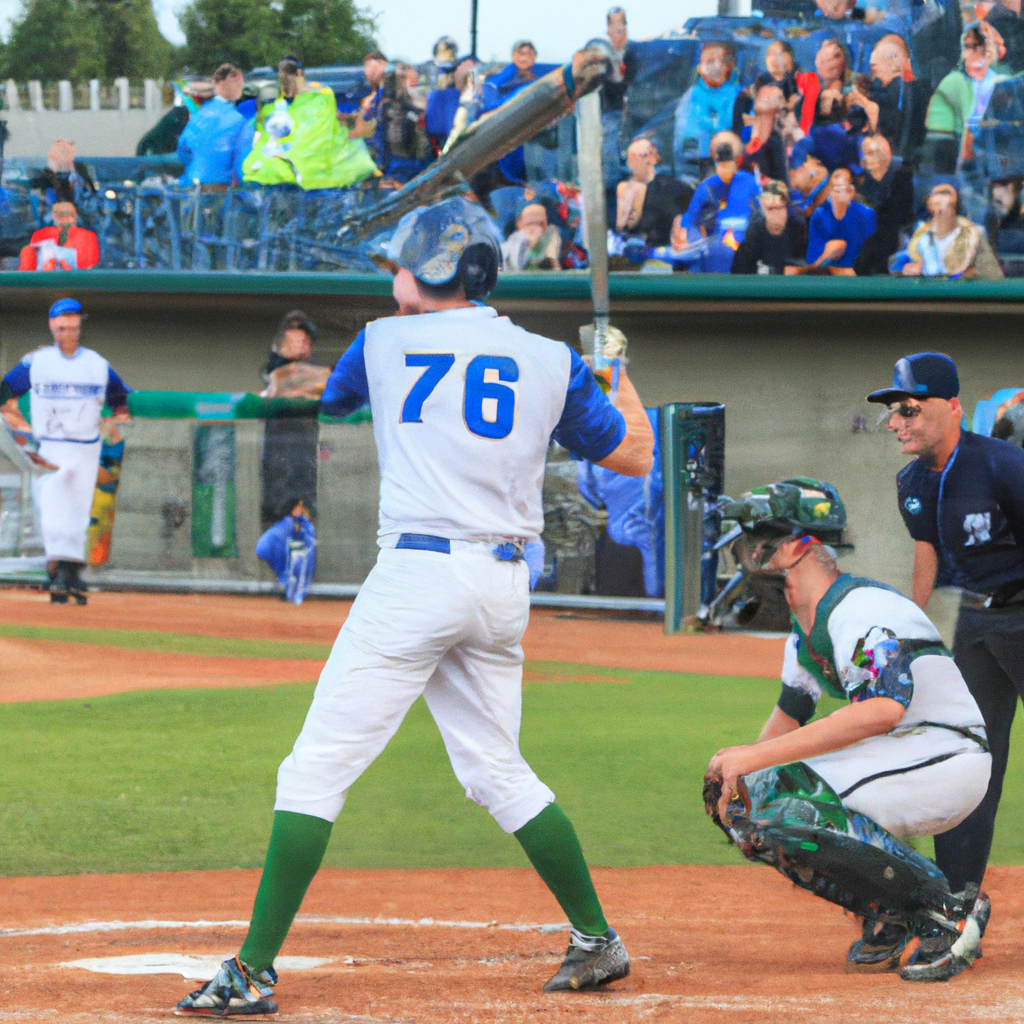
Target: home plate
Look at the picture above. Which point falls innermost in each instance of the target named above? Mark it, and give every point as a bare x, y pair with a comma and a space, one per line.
200, 968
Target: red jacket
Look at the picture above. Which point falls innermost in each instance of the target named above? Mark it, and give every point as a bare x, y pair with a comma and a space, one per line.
83, 241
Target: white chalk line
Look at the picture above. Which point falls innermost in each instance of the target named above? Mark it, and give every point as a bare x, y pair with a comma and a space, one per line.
87, 927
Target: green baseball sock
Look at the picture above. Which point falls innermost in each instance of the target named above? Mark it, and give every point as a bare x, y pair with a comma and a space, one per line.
554, 850
297, 845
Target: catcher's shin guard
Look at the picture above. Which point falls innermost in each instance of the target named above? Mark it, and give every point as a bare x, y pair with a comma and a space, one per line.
790, 818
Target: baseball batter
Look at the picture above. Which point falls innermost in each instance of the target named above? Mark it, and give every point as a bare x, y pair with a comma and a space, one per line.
464, 406
824, 802
68, 386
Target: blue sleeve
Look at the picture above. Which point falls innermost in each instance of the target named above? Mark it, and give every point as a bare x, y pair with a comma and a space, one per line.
817, 236
590, 427
243, 147
1008, 484
184, 146
117, 390
701, 195
18, 379
347, 389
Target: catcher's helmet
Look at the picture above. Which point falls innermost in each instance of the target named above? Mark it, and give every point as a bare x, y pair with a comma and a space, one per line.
792, 507
453, 238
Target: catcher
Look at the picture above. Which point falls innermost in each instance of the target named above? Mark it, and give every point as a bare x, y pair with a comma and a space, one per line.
825, 802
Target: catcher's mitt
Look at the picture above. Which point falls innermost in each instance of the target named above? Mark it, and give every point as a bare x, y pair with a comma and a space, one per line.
739, 803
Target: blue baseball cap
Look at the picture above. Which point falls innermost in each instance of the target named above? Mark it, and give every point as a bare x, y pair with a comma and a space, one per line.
924, 375
62, 306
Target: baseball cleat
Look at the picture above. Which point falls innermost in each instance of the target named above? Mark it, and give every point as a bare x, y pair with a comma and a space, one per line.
605, 960
232, 992
942, 954
879, 948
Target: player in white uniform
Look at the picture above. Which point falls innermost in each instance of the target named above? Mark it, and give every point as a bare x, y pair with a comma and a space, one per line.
68, 387
825, 802
464, 406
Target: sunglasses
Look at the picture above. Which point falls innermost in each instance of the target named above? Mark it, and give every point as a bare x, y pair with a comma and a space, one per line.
904, 409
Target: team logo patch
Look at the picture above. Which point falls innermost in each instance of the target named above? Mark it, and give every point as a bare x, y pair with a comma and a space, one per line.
978, 527
913, 506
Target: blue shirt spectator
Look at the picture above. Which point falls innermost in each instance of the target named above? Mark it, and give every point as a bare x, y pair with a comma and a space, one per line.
217, 137
706, 107
498, 89
721, 202
840, 226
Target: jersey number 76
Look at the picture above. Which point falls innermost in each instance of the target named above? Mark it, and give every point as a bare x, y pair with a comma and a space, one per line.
488, 403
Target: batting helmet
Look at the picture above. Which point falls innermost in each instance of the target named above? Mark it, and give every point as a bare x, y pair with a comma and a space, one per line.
451, 239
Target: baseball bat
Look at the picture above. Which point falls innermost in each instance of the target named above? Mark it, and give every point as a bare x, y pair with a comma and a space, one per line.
588, 149
485, 141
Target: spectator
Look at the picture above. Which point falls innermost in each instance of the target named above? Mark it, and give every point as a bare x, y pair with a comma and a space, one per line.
959, 102
469, 101
809, 176
164, 135
780, 70
534, 245
888, 188
766, 151
840, 227
648, 203
498, 89
1005, 225
902, 100
65, 246
775, 243
705, 108
367, 125
291, 439
443, 99
720, 207
218, 138
299, 140
613, 96
65, 179
823, 88
1004, 17
406, 146
947, 245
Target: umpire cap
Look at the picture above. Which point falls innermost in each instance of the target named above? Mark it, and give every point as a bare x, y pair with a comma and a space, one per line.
431, 241
924, 375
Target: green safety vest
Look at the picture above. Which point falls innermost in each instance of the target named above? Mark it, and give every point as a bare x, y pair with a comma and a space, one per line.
301, 143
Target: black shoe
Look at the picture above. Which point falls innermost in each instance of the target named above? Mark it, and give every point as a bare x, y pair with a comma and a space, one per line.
879, 948
589, 968
76, 588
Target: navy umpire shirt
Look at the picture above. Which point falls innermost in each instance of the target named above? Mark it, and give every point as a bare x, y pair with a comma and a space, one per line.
972, 513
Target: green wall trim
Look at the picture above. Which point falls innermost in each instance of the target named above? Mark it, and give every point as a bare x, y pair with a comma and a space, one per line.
566, 285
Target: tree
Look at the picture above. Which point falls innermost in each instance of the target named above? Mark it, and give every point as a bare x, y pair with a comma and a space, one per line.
51, 40
83, 39
132, 43
257, 33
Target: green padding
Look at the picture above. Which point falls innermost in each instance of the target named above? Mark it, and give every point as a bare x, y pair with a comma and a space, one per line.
568, 285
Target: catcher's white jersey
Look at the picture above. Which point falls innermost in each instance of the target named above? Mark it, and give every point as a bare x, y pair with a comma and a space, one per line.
67, 395
464, 404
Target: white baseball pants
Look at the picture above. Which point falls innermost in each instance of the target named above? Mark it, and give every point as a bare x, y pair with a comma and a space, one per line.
64, 498
447, 626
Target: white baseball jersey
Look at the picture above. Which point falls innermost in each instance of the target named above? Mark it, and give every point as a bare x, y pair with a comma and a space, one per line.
67, 395
932, 770
464, 405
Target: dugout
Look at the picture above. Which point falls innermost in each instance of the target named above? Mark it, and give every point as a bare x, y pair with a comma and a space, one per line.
791, 359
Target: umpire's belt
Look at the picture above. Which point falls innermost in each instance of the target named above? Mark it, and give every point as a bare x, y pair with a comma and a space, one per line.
505, 549
1008, 594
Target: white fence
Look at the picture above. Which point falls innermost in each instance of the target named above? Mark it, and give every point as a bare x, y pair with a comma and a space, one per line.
101, 120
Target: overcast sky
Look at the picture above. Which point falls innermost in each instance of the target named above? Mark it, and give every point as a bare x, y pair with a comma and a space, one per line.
408, 28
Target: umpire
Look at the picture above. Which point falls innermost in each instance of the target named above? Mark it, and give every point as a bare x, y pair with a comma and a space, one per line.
962, 499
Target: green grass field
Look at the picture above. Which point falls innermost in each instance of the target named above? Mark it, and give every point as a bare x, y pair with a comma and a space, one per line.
184, 779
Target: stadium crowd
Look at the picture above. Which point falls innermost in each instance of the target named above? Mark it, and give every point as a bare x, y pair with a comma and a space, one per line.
859, 165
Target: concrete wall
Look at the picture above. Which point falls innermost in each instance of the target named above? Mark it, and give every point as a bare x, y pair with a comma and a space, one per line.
95, 132
792, 380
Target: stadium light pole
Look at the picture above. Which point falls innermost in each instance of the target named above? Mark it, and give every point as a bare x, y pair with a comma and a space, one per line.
472, 28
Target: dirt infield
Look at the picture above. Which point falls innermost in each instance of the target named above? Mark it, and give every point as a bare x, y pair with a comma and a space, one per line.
735, 944
50, 670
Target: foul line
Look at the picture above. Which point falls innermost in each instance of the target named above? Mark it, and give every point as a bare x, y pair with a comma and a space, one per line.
86, 927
